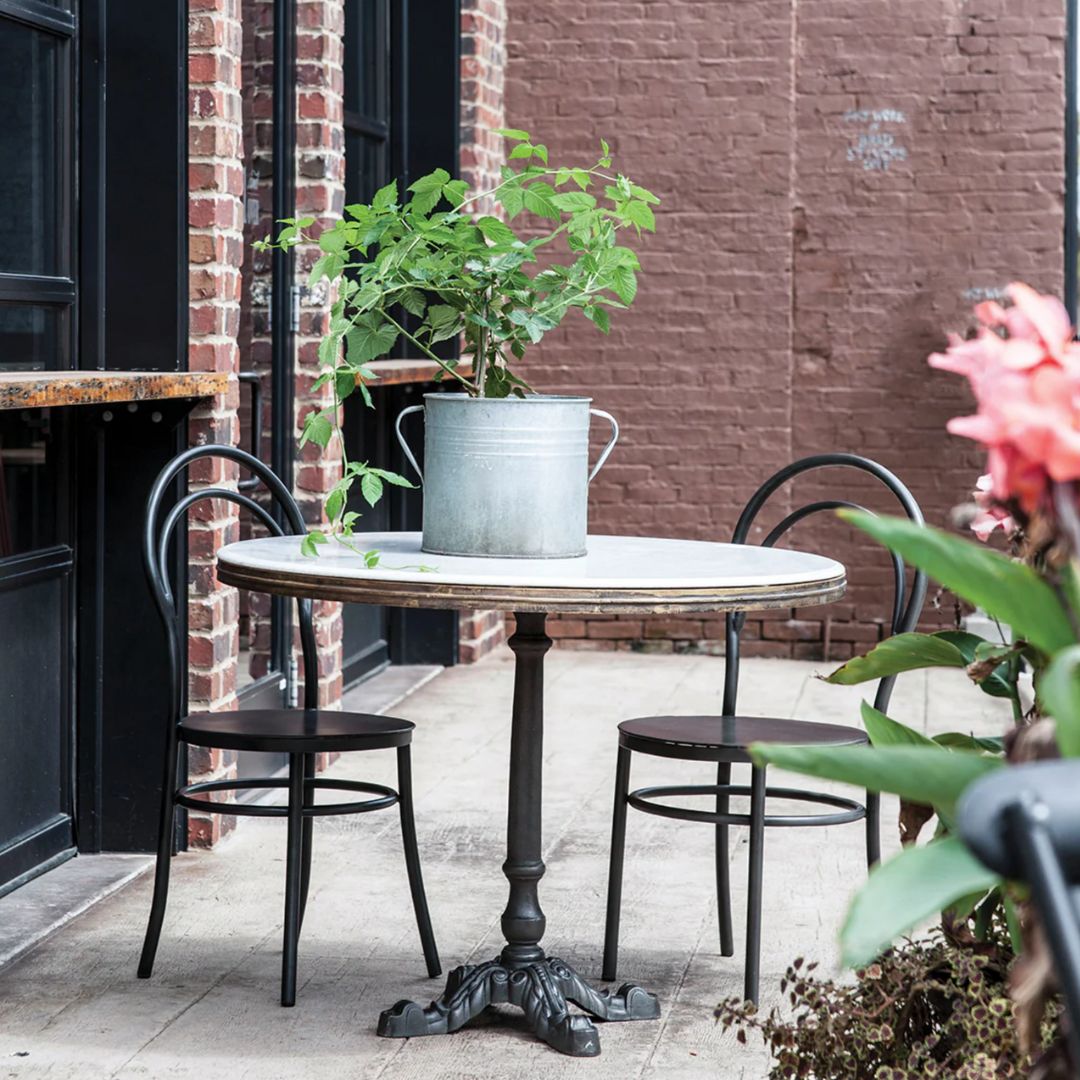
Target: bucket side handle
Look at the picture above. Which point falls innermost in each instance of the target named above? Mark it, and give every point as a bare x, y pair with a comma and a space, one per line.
401, 438
605, 453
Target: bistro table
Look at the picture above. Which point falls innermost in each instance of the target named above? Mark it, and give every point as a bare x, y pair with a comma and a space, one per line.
619, 575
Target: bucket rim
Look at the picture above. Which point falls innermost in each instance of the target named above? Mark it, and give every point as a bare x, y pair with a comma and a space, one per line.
529, 399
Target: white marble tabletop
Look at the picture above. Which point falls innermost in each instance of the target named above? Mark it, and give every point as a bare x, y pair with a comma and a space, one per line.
618, 574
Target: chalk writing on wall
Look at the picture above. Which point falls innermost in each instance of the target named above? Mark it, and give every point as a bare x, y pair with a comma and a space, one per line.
875, 146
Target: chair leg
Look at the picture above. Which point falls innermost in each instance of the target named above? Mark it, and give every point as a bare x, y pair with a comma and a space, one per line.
723, 865
308, 827
412, 862
753, 903
615, 865
293, 860
873, 829
164, 862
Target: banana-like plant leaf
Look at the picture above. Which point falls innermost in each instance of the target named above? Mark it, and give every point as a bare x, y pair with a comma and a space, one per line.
913, 886
995, 684
884, 731
903, 652
1058, 690
961, 740
917, 773
1010, 591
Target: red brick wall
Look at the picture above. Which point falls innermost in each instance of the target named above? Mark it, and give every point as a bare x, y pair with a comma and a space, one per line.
841, 178
483, 98
215, 217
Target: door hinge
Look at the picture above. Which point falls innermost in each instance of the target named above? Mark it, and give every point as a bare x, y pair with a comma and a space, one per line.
295, 319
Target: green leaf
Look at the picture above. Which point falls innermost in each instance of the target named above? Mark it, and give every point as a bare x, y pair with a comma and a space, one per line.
371, 487
413, 301
335, 503
514, 134
917, 773
643, 194
455, 191
344, 383
581, 178
640, 214
392, 478
624, 283
973, 647
1010, 591
442, 315
993, 744
386, 196
902, 652
538, 200
573, 201
433, 181
1058, 690
884, 731
498, 232
369, 339
317, 429
522, 150
906, 890
309, 545
512, 199
599, 316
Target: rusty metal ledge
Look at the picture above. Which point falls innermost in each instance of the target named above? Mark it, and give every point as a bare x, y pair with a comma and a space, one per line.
401, 372
45, 389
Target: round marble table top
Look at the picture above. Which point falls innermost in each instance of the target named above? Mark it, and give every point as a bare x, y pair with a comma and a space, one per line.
619, 574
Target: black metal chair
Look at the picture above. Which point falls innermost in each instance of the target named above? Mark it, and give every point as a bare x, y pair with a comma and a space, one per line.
725, 738
299, 733
1024, 824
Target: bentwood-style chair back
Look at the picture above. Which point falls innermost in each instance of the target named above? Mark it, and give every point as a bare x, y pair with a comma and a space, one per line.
158, 535
301, 734
908, 599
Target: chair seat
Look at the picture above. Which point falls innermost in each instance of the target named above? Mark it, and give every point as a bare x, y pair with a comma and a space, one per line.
725, 738
294, 731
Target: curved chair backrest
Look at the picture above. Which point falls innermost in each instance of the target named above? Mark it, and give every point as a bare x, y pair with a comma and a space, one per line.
158, 535
907, 602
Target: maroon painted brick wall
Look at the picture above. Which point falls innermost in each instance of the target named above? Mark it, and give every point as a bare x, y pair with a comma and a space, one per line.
841, 180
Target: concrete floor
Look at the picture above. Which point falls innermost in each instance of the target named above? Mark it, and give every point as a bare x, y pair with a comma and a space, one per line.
72, 1008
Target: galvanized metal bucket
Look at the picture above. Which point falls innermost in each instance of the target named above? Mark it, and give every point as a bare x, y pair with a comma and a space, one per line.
506, 477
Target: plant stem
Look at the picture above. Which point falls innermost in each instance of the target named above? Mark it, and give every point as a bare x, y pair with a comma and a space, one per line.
425, 350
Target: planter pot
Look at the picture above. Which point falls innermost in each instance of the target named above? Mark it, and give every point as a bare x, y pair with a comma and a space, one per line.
506, 477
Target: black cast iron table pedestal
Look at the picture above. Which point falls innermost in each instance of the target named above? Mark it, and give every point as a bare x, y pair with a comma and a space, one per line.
523, 975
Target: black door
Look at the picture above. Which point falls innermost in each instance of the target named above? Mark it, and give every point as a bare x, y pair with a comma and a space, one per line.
401, 75
38, 312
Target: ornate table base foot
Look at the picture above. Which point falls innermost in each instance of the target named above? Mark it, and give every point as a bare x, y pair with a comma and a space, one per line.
541, 990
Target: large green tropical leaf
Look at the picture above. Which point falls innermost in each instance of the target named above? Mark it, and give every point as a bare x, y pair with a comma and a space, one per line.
1059, 693
903, 652
919, 774
884, 731
1010, 591
901, 893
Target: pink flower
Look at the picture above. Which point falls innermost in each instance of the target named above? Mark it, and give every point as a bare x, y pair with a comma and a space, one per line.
1024, 369
990, 515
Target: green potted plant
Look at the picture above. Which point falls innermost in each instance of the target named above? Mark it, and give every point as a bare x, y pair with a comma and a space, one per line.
506, 468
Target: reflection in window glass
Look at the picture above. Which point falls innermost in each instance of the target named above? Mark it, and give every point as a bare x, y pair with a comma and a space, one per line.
32, 338
29, 480
31, 207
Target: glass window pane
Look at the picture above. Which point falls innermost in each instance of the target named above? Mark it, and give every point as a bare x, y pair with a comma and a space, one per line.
33, 338
32, 206
29, 481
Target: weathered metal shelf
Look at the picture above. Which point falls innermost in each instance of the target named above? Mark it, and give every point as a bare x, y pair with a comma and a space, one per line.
403, 372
